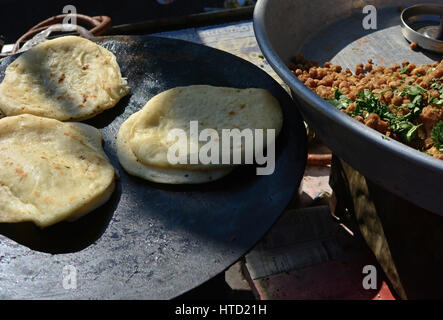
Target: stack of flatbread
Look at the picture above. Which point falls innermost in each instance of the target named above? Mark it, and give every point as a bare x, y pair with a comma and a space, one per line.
144, 139
52, 170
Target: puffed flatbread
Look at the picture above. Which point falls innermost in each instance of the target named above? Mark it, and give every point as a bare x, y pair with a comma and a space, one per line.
143, 143
68, 78
50, 170
169, 175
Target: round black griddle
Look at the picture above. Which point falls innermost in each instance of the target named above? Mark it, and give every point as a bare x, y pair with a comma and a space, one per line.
154, 241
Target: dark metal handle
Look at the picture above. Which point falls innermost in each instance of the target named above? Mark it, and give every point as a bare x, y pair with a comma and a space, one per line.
99, 25
440, 30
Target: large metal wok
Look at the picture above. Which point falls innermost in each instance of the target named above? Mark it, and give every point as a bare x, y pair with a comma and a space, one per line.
333, 31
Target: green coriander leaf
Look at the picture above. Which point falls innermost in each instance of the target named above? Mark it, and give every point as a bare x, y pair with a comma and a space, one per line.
412, 132
340, 100
437, 136
430, 70
413, 91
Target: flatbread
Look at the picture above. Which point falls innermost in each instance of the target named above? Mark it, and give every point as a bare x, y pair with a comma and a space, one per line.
50, 170
156, 174
143, 142
68, 78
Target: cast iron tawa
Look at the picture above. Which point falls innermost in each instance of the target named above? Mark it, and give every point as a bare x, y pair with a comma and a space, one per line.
154, 241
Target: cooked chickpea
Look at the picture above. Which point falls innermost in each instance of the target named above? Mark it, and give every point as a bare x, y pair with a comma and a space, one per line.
386, 84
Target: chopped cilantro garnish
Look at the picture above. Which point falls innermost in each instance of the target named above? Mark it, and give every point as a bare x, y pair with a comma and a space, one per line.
340, 100
412, 92
404, 69
437, 136
436, 101
430, 70
367, 103
434, 85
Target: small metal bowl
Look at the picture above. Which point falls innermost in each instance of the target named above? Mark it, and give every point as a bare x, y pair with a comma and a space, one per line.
422, 24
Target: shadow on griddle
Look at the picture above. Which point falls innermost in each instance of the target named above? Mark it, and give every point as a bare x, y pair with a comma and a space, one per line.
219, 211
64, 237
108, 116
431, 55
238, 178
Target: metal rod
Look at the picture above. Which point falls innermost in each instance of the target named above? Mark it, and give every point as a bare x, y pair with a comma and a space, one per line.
194, 20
